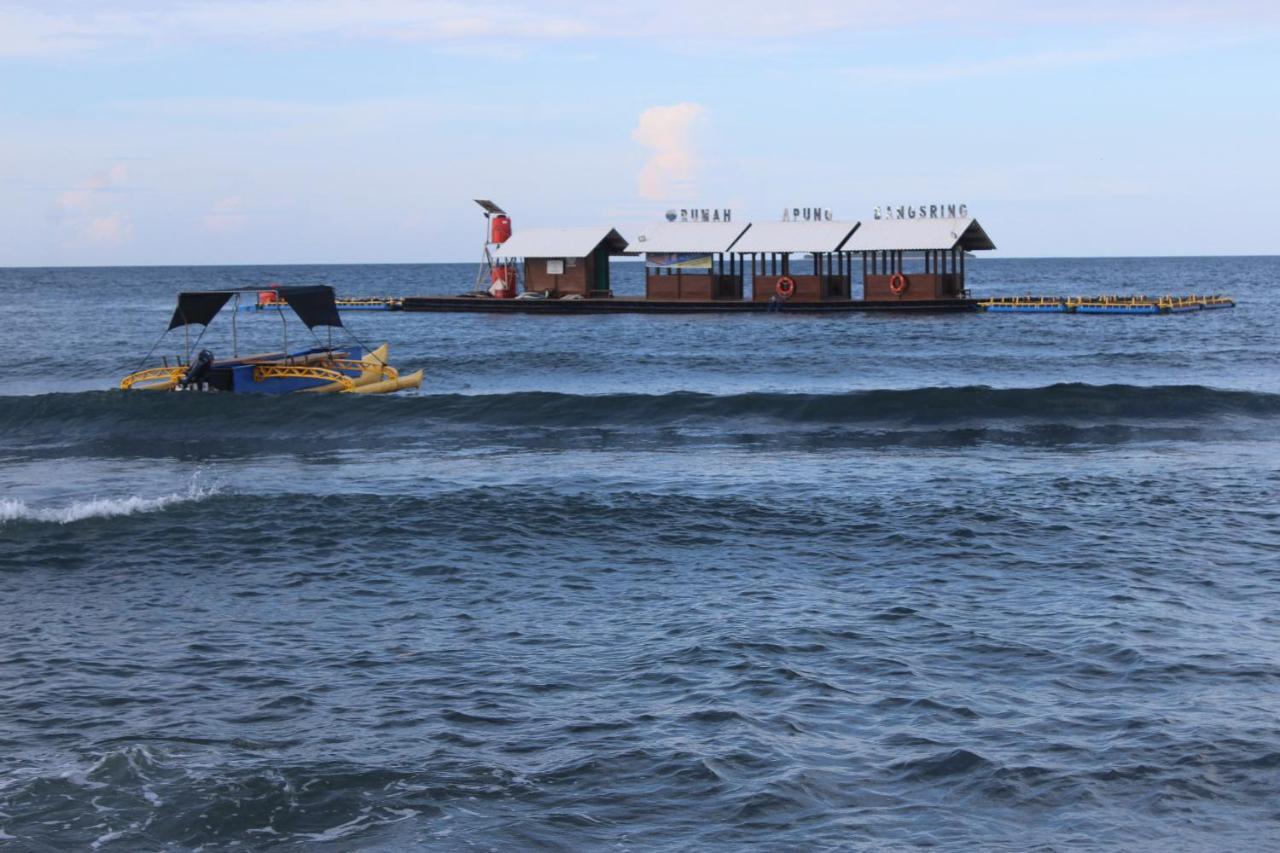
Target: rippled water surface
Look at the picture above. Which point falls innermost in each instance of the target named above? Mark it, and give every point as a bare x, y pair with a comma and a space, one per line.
646, 582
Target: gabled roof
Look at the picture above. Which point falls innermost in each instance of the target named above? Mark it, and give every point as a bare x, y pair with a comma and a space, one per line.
794, 237
561, 242
689, 236
904, 235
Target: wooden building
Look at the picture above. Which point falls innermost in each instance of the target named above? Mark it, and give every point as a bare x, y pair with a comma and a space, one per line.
562, 262
766, 249
915, 259
690, 261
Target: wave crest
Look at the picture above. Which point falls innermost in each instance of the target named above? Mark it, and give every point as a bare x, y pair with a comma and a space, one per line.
16, 510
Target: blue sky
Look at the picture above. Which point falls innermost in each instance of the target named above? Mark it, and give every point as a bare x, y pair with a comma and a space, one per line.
316, 131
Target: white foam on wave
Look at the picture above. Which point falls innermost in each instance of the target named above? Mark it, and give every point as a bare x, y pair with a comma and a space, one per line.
365, 820
13, 509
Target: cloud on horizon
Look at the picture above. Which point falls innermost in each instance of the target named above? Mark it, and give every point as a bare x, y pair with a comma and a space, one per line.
89, 214
225, 215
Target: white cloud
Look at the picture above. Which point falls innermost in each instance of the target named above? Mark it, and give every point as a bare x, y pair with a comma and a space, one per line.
89, 211
226, 215
31, 28
83, 196
670, 132
113, 229
1149, 46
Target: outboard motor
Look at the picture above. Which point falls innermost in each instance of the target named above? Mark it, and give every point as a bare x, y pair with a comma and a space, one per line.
198, 371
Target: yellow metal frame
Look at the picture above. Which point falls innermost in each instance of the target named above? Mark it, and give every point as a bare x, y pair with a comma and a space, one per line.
1074, 301
388, 372
161, 375
301, 371
1021, 300
1165, 303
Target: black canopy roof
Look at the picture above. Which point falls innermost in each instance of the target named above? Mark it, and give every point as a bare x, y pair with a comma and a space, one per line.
313, 303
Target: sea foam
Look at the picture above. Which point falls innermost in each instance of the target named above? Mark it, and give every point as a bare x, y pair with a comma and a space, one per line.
13, 509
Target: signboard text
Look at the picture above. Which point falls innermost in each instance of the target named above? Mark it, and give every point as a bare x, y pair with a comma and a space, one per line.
700, 214
923, 211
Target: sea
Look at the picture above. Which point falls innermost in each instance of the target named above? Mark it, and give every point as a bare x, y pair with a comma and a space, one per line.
629, 582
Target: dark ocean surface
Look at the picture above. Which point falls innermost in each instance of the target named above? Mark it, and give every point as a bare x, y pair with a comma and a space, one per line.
974, 582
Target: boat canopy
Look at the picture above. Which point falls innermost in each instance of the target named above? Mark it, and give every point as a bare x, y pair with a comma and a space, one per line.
313, 303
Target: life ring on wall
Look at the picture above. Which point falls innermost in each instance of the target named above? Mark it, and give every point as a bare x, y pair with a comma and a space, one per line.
898, 284
786, 287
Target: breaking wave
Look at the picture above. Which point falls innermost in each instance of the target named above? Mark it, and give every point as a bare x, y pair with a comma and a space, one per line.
54, 414
15, 510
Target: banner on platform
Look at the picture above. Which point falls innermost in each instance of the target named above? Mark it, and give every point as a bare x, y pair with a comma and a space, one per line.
677, 261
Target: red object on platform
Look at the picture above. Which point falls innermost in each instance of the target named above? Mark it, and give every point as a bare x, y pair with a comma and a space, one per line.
504, 282
500, 229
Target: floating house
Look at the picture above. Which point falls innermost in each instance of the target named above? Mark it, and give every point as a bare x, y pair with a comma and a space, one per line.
561, 262
691, 261
915, 259
768, 249
808, 265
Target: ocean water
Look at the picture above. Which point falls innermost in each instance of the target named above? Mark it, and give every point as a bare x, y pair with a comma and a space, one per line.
967, 582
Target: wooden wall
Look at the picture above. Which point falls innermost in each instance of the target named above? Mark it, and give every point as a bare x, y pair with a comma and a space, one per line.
875, 288
705, 287
809, 288
577, 274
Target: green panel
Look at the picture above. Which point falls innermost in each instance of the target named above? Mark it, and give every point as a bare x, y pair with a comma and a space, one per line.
600, 270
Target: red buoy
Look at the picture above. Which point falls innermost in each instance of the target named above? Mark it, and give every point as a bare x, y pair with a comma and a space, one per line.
500, 229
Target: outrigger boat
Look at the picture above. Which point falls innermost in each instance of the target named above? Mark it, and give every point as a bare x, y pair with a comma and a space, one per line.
320, 369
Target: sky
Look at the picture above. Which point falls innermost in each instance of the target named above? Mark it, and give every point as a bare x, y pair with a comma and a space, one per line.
360, 131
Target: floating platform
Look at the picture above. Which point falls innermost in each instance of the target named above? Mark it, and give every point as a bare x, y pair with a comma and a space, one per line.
1112, 308
1103, 304
1025, 305
371, 303
640, 305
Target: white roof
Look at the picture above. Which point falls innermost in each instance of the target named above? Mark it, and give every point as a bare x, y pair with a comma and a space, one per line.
794, 237
561, 242
902, 235
689, 236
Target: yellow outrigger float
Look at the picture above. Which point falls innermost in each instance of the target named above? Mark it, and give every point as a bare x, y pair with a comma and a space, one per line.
317, 370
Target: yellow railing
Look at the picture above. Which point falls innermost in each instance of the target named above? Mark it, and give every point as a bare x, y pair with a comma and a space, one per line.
1116, 301
160, 375
301, 371
345, 364
367, 300
1151, 304
1021, 301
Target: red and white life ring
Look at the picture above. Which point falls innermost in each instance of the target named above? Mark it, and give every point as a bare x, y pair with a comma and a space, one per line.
786, 287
